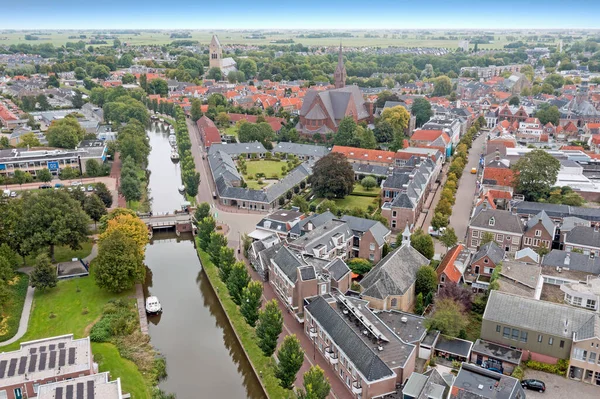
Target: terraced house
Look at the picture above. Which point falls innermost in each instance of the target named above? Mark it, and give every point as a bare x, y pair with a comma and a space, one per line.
506, 228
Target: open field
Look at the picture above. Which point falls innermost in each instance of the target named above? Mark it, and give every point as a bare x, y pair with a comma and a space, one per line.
374, 38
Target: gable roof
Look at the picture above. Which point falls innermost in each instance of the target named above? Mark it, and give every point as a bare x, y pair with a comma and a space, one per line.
572, 260
542, 218
447, 266
583, 235
503, 221
394, 274
491, 250
363, 225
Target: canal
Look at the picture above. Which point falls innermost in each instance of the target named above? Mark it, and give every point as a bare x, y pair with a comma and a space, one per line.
203, 356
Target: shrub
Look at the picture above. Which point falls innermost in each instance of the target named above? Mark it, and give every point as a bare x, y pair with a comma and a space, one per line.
518, 373
559, 368
250, 177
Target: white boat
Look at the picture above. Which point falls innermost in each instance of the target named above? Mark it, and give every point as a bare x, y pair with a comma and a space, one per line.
174, 155
153, 305
172, 140
172, 130
161, 120
181, 189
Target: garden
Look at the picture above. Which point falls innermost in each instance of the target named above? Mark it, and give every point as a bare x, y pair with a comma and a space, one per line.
256, 172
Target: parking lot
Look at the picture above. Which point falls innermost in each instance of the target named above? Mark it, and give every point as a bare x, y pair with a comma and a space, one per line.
558, 387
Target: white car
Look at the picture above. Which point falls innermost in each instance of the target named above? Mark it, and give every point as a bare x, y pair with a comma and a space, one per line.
90, 188
82, 188
76, 183
13, 194
436, 233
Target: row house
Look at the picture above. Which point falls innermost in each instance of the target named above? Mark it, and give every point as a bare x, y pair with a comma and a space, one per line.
209, 133
454, 265
367, 356
530, 130
539, 232
370, 236
505, 227
557, 212
583, 239
483, 263
512, 115
433, 138
329, 241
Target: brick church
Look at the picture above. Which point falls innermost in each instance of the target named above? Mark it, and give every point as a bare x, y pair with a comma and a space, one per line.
322, 111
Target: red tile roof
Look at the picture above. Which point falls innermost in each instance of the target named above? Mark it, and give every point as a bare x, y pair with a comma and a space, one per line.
426, 135
208, 131
502, 176
361, 154
447, 266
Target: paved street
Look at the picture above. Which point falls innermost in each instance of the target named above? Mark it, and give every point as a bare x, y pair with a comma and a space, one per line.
558, 387
461, 211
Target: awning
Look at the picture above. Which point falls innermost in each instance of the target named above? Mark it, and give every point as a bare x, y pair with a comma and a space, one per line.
260, 234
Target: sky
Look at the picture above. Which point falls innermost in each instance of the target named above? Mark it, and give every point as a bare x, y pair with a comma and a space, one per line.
298, 14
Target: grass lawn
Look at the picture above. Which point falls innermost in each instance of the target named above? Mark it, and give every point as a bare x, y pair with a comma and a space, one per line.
231, 131
358, 189
109, 359
13, 309
247, 334
74, 304
253, 184
269, 168
354, 201
65, 254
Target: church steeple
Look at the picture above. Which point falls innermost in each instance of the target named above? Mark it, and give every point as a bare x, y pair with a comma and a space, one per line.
340, 71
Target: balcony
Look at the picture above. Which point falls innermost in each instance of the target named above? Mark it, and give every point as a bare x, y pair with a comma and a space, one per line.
332, 356
312, 332
356, 388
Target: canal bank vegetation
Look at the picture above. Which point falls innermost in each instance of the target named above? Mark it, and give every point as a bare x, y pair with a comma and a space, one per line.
189, 176
134, 148
263, 364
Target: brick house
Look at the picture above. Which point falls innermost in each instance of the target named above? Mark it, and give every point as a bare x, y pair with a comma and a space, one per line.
584, 364
539, 232
209, 134
369, 358
483, 263
585, 239
505, 226
369, 237
41, 362
453, 266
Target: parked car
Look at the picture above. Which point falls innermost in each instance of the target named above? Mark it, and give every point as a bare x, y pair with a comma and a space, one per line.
436, 233
76, 183
6, 193
45, 186
534, 385
13, 194
90, 188
58, 185
82, 188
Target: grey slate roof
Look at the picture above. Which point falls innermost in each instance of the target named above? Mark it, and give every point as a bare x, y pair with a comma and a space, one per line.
590, 329
322, 235
363, 225
585, 236
504, 221
364, 169
455, 346
316, 219
495, 385
288, 262
557, 210
367, 361
307, 273
337, 269
316, 151
492, 250
578, 262
497, 351
544, 219
238, 148
394, 274
534, 315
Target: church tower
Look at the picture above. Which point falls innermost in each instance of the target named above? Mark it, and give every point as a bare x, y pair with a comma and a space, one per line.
216, 53
340, 71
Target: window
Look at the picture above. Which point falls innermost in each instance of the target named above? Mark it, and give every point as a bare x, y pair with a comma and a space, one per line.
36, 386
538, 233
527, 240
323, 289
488, 270
371, 257
492, 221
394, 214
475, 234
506, 332
393, 224
578, 354
474, 242
500, 237
523, 336
550, 341
3, 395
577, 301
562, 343
443, 278
591, 304
372, 246
515, 334
394, 302
486, 260
592, 358
498, 328
540, 337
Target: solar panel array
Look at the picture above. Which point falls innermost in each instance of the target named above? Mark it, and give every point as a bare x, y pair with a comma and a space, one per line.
3, 364
62, 357
12, 366
69, 392
58, 393
32, 363
52, 362
22, 365
43, 357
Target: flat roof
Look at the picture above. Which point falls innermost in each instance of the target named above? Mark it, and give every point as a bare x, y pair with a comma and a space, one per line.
45, 358
483, 383
496, 351
409, 327
94, 386
455, 346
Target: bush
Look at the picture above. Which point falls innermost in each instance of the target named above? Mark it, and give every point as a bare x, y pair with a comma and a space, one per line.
559, 368
518, 373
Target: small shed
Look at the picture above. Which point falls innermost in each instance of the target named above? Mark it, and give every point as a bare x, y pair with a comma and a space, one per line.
495, 357
453, 349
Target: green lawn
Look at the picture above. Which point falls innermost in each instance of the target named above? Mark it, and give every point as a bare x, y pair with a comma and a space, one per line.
358, 189
65, 254
71, 307
354, 201
109, 359
247, 334
253, 184
11, 314
231, 131
269, 168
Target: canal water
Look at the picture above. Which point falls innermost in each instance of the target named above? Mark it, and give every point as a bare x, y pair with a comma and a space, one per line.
204, 359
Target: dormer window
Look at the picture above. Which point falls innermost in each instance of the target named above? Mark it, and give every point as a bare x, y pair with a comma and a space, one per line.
492, 221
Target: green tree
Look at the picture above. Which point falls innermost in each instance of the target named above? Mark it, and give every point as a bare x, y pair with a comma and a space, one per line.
4, 143
202, 211
535, 173
131, 188
217, 241
439, 220
442, 86
486, 237
94, 207
332, 176
65, 133
300, 202
100, 72
514, 100
53, 81
316, 385
365, 138
205, 227
44, 175
398, 117
42, 102
214, 73
80, 73
384, 131
68, 173
104, 194
93, 168
227, 259
44, 274
29, 140
6, 271
270, 324
422, 111
346, 134
196, 109
144, 82
421, 242
158, 86
77, 99
119, 264
419, 306
426, 280
251, 302
555, 80
236, 282
21, 177
248, 66
368, 183
448, 238
447, 317
128, 79
548, 113
291, 357
360, 266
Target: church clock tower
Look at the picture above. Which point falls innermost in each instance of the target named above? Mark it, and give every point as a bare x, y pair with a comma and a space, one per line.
340, 71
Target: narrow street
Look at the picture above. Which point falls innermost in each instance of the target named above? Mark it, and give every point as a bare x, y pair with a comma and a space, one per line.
243, 222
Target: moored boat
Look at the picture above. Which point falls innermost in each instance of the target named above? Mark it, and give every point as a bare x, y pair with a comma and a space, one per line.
153, 306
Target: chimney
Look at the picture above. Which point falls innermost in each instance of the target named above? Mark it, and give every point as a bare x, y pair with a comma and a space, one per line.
497, 156
485, 205
568, 259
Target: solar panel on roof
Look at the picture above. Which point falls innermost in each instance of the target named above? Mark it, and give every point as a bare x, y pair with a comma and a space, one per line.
33, 350
32, 363
61, 345
62, 357
71, 355
52, 362
58, 393
69, 392
2, 368
12, 366
52, 347
22, 365
80, 390
43, 357
90, 390
42, 349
